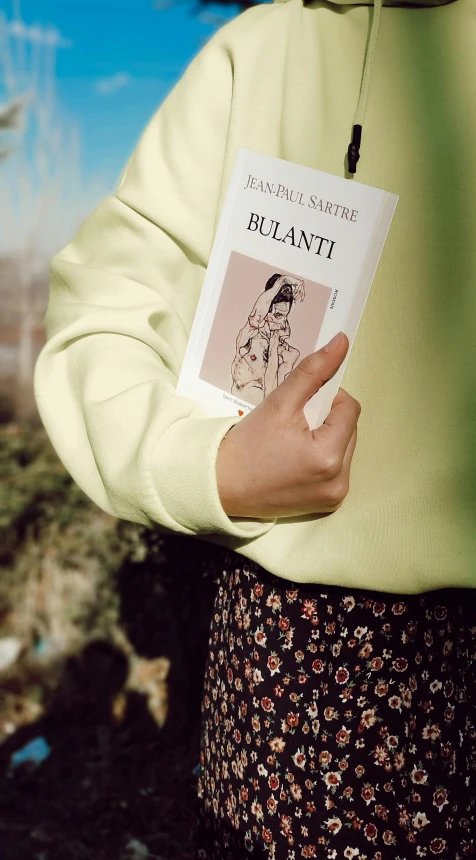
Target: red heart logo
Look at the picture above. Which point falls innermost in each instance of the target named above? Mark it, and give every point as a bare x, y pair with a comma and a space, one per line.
240, 412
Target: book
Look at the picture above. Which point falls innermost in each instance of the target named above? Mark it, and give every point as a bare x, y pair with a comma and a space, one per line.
292, 263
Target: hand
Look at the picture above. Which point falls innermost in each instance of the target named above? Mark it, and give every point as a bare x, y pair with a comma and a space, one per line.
271, 465
299, 291
297, 285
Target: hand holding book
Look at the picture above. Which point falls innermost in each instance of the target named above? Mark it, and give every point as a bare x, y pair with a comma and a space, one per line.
272, 465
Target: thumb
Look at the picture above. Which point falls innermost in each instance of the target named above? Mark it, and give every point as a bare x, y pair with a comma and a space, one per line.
311, 373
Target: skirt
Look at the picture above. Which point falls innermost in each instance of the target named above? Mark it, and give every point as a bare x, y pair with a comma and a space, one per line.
337, 723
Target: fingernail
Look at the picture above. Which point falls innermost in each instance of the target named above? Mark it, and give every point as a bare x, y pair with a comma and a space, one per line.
336, 341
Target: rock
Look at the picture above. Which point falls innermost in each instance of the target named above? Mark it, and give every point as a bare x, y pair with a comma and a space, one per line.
135, 850
149, 678
9, 651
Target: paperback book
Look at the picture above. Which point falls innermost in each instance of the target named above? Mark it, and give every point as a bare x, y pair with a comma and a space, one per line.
293, 259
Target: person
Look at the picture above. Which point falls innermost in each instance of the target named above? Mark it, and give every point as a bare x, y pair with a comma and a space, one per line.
338, 697
264, 356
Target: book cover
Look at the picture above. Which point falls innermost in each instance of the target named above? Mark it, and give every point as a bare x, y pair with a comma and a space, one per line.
292, 263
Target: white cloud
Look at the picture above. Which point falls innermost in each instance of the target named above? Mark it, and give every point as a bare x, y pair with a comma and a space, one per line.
107, 86
211, 18
50, 36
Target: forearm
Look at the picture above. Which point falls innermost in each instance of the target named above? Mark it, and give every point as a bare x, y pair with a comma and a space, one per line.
271, 372
263, 303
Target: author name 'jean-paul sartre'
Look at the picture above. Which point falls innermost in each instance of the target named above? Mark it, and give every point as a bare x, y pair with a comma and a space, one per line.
293, 196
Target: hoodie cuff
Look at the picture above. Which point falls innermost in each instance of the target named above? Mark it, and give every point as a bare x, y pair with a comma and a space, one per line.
184, 476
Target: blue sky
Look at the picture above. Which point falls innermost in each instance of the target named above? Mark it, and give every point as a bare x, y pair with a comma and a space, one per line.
122, 59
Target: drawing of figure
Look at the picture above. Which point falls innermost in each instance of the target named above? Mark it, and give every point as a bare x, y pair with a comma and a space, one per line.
264, 356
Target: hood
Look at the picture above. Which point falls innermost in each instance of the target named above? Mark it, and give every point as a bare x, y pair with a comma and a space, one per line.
353, 152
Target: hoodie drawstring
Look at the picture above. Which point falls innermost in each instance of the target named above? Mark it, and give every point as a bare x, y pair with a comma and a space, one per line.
353, 153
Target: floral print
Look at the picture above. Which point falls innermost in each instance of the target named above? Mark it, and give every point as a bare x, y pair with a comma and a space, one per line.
337, 725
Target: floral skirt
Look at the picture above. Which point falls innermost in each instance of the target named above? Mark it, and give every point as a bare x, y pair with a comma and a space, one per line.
337, 723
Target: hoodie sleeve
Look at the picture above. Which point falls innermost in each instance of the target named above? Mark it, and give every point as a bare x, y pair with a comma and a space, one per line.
122, 299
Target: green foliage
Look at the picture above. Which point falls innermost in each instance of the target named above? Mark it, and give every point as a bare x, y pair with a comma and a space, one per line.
59, 552
36, 488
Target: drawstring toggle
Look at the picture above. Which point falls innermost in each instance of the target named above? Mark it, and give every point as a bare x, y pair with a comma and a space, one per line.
353, 153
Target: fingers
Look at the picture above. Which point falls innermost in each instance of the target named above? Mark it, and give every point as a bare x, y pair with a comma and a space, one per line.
341, 421
339, 484
309, 375
349, 453
338, 432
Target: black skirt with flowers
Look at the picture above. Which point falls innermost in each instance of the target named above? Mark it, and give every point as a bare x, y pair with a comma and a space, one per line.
337, 723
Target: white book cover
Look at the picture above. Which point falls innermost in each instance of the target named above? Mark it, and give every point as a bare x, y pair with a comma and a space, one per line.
292, 263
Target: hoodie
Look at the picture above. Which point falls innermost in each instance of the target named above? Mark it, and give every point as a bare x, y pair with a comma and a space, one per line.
286, 78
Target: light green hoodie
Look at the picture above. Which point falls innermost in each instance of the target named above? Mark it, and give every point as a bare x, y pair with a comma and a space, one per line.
284, 78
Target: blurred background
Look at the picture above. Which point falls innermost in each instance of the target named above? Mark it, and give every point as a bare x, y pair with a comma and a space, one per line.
103, 624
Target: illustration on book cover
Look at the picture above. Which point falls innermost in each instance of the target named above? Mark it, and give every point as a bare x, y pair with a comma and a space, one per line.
265, 321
